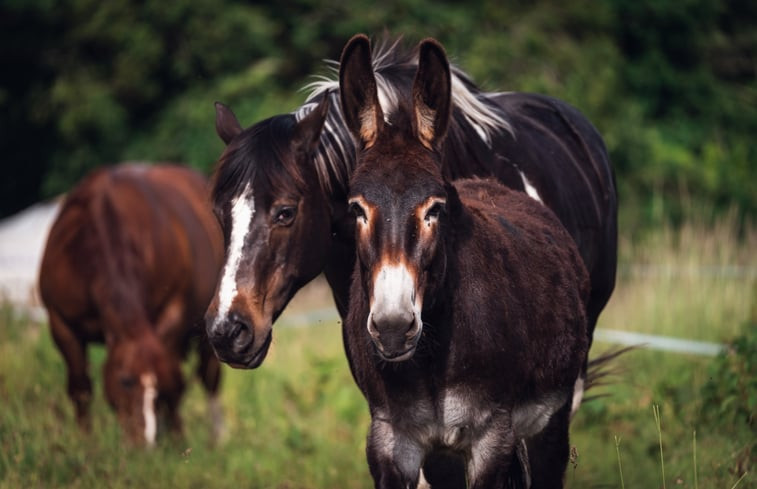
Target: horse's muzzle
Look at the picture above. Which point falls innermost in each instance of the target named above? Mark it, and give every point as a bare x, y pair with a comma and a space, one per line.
235, 341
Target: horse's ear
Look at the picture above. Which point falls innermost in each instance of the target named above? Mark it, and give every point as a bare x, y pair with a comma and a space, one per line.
307, 134
227, 125
358, 92
432, 92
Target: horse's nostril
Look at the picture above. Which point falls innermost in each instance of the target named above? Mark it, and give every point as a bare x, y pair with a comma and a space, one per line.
238, 331
237, 328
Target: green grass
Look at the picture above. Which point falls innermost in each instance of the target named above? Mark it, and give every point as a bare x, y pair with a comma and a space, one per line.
300, 422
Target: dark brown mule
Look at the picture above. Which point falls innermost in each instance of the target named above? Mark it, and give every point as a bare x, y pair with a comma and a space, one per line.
132, 260
467, 321
280, 191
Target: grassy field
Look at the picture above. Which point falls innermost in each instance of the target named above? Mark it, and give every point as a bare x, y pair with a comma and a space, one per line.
299, 421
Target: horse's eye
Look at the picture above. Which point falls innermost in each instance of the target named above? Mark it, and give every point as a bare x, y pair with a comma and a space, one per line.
284, 215
357, 211
127, 381
434, 212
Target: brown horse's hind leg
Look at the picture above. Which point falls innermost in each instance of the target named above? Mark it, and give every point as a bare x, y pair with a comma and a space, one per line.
74, 351
209, 372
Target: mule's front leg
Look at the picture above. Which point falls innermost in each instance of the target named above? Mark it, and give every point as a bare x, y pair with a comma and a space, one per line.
491, 464
393, 458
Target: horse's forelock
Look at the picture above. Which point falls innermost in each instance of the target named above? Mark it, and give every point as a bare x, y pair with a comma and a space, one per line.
260, 156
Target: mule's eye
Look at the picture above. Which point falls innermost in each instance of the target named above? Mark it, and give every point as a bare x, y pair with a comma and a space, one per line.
127, 381
434, 212
284, 215
357, 211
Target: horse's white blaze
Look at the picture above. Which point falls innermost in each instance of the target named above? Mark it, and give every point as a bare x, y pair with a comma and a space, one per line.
530, 189
394, 295
150, 393
242, 211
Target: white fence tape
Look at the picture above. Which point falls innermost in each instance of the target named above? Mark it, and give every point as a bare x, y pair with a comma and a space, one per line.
625, 338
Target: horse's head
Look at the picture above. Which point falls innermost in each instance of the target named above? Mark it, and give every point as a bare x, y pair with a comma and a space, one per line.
276, 223
397, 193
141, 376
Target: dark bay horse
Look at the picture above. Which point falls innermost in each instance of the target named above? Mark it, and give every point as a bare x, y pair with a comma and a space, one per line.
132, 260
466, 327
281, 185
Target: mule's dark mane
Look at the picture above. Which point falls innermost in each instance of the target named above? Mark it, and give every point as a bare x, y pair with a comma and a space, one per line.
475, 119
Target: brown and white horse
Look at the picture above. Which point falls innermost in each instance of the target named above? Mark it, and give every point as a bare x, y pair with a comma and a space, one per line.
132, 260
467, 319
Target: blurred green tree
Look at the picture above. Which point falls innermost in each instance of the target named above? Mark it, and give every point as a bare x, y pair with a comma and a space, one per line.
671, 84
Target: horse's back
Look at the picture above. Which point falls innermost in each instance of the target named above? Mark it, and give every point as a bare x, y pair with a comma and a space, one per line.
559, 156
148, 227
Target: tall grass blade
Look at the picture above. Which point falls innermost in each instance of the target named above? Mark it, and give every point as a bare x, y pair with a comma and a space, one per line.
740, 479
694, 443
620, 465
658, 423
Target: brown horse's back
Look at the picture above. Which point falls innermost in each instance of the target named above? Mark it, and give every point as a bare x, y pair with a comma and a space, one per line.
131, 239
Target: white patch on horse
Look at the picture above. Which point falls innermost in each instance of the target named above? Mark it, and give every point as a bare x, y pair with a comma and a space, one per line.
530, 189
578, 395
242, 211
394, 295
531, 418
150, 393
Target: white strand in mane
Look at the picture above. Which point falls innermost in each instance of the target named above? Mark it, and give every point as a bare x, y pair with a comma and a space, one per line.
484, 119
331, 152
481, 116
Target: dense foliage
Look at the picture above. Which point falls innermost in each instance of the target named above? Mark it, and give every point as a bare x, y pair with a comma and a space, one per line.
671, 84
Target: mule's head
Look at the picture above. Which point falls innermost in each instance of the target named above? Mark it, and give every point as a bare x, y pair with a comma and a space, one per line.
141, 377
397, 193
276, 225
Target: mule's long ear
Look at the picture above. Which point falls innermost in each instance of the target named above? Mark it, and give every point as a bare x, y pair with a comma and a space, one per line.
358, 92
227, 125
432, 91
307, 133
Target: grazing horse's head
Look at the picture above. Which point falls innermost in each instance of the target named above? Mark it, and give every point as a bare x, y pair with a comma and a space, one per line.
269, 201
397, 193
141, 377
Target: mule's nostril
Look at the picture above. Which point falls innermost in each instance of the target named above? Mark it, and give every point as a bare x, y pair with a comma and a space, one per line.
410, 331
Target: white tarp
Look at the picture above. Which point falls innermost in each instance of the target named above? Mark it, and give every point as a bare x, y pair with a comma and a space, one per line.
22, 240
